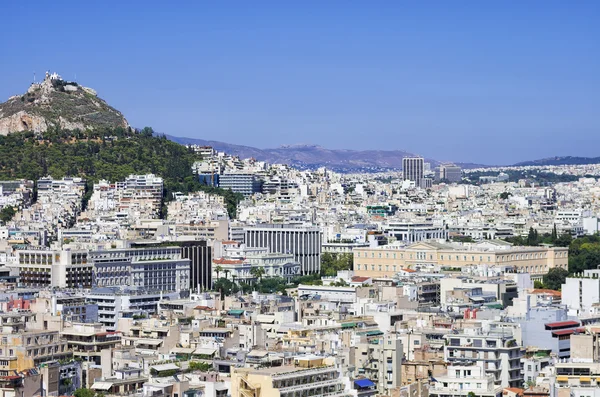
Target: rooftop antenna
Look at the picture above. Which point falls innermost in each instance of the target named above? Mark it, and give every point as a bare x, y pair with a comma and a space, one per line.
34, 76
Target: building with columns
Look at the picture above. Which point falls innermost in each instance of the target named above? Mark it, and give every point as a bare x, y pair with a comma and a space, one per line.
304, 242
387, 261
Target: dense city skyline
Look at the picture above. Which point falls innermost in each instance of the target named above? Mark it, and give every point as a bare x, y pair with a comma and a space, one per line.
443, 81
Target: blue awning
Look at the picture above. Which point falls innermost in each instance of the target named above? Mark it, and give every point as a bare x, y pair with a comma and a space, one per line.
363, 383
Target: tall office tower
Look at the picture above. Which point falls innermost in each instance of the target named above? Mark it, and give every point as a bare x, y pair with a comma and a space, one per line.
302, 241
413, 169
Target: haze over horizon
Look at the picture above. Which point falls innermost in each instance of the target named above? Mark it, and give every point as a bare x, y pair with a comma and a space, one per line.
470, 82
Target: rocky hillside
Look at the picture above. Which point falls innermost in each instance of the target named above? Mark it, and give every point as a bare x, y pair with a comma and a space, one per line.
57, 103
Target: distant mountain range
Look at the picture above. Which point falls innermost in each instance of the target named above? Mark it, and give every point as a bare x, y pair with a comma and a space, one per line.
561, 160
312, 156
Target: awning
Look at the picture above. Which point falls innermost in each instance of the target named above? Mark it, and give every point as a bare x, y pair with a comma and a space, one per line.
585, 379
164, 367
562, 378
205, 351
151, 342
236, 312
348, 325
477, 299
101, 385
374, 333
364, 383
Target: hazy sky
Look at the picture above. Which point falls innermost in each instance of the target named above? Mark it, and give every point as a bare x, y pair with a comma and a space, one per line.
482, 81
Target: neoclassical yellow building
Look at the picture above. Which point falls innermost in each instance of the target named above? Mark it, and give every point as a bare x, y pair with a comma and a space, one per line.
386, 261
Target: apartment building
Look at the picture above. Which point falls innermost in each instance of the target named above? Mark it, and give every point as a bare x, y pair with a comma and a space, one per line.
140, 188
581, 292
309, 376
115, 303
71, 306
304, 242
88, 340
387, 261
462, 380
54, 268
152, 268
495, 353
246, 184
28, 349
379, 358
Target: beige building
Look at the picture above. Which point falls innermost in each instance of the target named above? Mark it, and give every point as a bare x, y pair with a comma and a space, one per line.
386, 261
309, 376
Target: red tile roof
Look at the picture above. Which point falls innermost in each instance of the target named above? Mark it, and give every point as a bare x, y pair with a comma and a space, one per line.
563, 324
360, 279
547, 291
516, 390
567, 331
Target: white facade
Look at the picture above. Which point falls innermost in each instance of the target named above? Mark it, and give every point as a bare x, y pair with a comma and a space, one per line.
464, 379
580, 293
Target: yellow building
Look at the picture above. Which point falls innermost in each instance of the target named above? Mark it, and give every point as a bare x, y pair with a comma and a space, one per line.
386, 261
309, 376
28, 349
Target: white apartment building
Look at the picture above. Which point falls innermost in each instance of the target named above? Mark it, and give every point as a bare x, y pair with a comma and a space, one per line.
494, 353
115, 303
581, 292
463, 379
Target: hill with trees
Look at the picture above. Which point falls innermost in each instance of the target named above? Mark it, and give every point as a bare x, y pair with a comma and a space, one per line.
110, 154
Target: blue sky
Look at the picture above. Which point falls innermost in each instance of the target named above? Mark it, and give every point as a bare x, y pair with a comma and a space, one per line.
486, 82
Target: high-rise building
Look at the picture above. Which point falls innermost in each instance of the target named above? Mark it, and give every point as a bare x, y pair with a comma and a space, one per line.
413, 169
302, 241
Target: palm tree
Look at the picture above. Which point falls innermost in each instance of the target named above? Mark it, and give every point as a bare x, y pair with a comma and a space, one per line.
226, 271
258, 272
218, 269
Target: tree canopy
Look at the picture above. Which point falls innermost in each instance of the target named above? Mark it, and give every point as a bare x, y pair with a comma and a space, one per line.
555, 278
